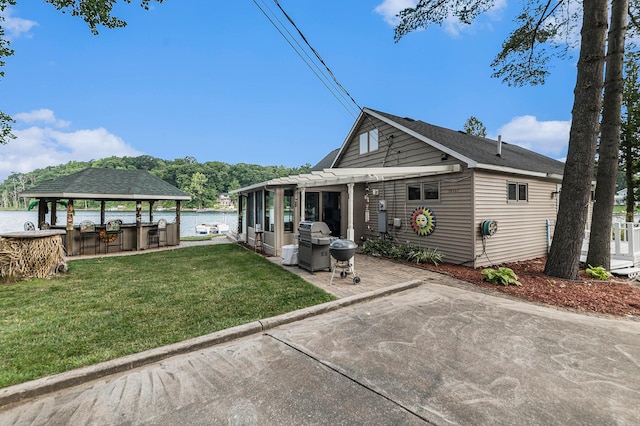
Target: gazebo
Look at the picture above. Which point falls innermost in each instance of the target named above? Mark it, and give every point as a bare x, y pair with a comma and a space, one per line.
108, 185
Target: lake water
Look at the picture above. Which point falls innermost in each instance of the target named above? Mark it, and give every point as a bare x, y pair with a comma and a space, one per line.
13, 220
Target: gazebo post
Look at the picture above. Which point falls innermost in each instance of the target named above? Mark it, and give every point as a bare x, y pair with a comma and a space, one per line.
70, 228
151, 211
42, 211
178, 220
54, 211
102, 214
138, 224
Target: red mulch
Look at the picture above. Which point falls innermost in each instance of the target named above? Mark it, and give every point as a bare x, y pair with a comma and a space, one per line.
618, 296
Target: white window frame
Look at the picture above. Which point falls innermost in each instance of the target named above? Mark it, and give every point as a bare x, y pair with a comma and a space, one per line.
368, 141
422, 186
517, 198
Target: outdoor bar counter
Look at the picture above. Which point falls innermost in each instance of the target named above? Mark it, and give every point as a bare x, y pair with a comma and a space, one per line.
126, 238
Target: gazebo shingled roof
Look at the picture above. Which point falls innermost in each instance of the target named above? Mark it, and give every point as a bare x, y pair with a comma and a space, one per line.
107, 184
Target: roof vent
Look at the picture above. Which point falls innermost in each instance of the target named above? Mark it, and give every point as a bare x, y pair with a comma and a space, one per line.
499, 153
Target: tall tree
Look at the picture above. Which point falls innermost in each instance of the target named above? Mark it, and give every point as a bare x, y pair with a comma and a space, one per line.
523, 60
473, 126
630, 131
94, 12
609, 148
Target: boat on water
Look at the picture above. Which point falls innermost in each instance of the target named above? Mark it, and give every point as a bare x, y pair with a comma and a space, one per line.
212, 228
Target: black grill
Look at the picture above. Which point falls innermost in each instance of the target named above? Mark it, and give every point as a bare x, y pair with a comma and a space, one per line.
313, 246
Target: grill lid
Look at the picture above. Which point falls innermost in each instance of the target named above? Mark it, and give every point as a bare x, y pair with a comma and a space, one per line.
314, 229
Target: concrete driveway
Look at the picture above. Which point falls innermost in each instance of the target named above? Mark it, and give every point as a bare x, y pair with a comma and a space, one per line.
426, 354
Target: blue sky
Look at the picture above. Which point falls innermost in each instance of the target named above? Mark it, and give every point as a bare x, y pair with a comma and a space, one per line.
215, 81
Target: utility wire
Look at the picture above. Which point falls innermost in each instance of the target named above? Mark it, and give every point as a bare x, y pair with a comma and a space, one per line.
315, 52
280, 27
330, 82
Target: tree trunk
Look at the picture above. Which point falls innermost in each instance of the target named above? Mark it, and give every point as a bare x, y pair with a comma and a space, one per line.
609, 150
564, 256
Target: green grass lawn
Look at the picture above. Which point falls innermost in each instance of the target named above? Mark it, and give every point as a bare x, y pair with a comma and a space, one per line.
108, 307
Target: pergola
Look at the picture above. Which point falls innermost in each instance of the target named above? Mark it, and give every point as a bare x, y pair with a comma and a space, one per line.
105, 185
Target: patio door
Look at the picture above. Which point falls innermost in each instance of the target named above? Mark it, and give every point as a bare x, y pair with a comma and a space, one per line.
331, 213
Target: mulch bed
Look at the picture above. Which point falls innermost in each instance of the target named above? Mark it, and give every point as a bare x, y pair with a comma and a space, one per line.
617, 296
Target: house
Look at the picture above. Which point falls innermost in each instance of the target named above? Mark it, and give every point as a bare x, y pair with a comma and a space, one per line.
477, 201
225, 201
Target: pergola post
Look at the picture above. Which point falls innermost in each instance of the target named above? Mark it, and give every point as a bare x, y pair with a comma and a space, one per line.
350, 231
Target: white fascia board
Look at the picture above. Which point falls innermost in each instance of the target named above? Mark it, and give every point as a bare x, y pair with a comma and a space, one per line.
454, 154
383, 171
518, 171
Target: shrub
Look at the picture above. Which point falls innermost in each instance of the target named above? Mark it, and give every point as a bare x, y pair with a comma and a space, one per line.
403, 252
378, 247
426, 256
503, 276
598, 272
385, 247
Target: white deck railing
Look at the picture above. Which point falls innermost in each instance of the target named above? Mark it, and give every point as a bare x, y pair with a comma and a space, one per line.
625, 241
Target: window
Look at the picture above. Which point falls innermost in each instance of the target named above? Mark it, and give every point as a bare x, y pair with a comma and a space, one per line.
517, 191
269, 211
259, 209
369, 141
250, 209
288, 210
413, 192
425, 191
312, 206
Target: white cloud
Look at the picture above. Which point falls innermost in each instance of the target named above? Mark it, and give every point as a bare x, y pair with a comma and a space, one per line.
44, 116
38, 147
550, 138
390, 8
16, 27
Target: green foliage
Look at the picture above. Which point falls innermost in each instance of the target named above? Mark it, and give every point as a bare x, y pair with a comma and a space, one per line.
598, 272
473, 126
502, 276
427, 256
95, 12
203, 181
384, 247
378, 247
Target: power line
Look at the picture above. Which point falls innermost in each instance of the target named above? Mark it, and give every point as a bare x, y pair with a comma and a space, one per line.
324, 73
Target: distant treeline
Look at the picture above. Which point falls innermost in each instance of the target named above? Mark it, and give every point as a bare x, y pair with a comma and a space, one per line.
203, 181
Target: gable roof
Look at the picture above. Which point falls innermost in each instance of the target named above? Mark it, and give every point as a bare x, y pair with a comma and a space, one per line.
474, 151
326, 162
108, 184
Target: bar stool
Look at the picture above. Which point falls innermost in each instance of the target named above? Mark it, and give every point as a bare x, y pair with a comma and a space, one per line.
259, 241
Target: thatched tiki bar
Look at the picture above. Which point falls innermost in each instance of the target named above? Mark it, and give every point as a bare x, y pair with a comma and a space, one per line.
108, 185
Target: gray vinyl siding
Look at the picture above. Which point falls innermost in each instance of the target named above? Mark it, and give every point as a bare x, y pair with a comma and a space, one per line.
400, 151
452, 235
522, 226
